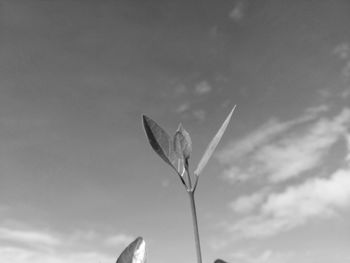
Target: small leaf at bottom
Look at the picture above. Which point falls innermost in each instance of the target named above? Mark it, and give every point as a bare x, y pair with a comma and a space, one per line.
135, 252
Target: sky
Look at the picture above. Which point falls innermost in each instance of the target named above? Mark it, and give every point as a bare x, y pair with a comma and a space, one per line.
78, 180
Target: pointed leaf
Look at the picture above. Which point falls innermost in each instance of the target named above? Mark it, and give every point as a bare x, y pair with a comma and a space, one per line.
135, 252
160, 141
212, 145
182, 143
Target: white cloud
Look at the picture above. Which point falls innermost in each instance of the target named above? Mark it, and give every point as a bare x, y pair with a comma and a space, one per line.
183, 107
265, 152
28, 236
247, 203
118, 240
237, 13
22, 255
342, 51
278, 151
253, 140
348, 147
202, 88
268, 255
34, 245
289, 157
315, 198
264, 134
236, 174
282, 256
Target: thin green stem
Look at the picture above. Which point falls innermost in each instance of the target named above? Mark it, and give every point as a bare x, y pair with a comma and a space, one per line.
195, 227
195, 183
188, 174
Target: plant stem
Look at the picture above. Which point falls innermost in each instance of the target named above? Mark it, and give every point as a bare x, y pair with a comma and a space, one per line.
195, 227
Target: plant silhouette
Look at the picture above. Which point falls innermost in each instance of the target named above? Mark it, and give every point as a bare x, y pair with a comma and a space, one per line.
176, 152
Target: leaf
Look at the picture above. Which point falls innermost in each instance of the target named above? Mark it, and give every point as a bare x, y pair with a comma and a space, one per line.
182, 143
160, 141
135, 252
219, 261
212, 145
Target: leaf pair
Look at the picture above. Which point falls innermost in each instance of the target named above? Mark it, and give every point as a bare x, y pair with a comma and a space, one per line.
170, 150
181, 146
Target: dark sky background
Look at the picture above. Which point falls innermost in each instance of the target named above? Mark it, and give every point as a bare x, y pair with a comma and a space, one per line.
78, 180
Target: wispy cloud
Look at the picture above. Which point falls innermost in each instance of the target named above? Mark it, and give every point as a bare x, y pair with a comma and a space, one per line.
186, 110
342, 51
29, 236
237, 13
278, 151
348, 147
202, 88
22, 255
247, 203
315, 198
290, 156
36, 245
183, 107
264, 134
321, 254
264, 256
266, 153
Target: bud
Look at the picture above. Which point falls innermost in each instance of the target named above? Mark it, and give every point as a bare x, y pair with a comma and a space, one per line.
182, 143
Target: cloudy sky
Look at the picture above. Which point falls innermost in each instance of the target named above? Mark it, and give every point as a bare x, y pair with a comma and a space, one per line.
78, 180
